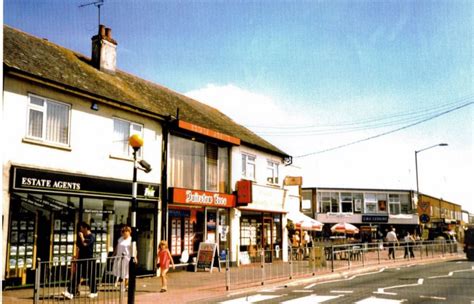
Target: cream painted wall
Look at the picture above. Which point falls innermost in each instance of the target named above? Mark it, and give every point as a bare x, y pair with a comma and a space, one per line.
90, 142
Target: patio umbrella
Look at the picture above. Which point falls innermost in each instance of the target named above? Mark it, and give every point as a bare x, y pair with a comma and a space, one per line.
345, 228
304, 222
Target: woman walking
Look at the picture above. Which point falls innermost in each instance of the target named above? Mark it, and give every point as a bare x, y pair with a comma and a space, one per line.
164, 259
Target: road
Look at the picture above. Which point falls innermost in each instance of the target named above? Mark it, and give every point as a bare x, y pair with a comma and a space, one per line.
441, 282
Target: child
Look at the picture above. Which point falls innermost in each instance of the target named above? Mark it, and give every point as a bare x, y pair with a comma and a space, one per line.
164, 259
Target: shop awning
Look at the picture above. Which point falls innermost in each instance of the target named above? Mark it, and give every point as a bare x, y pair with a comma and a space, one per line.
304, 222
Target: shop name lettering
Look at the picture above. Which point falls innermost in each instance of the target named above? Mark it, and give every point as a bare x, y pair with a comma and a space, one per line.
47, 183
196, 198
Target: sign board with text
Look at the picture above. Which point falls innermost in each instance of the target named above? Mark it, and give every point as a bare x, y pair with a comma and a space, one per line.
207, 257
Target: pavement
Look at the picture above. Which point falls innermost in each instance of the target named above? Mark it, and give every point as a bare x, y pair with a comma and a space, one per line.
203, 287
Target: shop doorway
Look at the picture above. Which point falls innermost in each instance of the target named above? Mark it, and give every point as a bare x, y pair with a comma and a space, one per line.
267, 238
146, 244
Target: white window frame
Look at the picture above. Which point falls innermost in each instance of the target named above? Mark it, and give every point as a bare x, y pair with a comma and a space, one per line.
394, 200
272, 166
248, 161
44, 109
129, 154
368, 202
346, 202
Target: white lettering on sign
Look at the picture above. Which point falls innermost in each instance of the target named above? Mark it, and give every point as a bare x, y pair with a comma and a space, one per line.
197, 198
47, 183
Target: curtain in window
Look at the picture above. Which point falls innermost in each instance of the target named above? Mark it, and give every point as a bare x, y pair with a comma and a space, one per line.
223, 169
120, 137
57, 121
187, 163
35, 124
211, 159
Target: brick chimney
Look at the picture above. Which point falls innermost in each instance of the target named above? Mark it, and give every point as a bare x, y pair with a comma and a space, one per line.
104, 53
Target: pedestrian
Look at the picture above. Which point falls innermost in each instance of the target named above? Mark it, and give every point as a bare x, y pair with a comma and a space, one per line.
84, 266
164, 259
122, 254
295, 242
392, 240
305, 242
409, 242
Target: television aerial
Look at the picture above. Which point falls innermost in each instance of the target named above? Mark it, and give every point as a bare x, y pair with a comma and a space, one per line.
97, 4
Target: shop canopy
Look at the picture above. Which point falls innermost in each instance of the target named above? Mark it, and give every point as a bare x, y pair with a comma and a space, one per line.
304, 222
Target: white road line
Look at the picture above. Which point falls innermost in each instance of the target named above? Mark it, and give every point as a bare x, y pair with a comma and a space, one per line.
302, 290
341, 291
251, 299
434, 298
374, 300
450, 274
312, 299
310, 286
382, 290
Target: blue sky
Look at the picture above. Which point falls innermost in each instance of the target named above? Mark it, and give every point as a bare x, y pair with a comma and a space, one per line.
296, 64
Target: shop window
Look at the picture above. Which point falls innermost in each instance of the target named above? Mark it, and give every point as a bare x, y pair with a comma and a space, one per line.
325, 202
370, 203
346, 202
48, 120
382, 203
248, 166
394, 203
272, 172
123, 129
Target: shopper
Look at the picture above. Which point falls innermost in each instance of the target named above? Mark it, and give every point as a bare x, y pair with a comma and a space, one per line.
409, 243
164, 259
85, 266
392, 241
122, 255
295, 242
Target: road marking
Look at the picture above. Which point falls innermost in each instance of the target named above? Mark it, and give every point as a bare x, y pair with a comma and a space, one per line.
341, 291
312, 299
434, 298
374, 300
382, 290
310, 286
251, 299
302, 290
450, 274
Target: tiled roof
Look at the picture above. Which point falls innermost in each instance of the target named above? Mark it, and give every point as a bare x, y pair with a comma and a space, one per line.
39, 58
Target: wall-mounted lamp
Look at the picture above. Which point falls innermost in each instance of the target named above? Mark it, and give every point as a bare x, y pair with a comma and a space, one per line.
94, 106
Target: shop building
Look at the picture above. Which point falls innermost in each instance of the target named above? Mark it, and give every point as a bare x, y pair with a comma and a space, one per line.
69, 117
373, 211
439, 218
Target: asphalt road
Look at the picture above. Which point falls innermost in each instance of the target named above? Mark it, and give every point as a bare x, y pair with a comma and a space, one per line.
442, 282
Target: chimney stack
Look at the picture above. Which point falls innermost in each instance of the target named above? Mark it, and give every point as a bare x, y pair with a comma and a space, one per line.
104, 53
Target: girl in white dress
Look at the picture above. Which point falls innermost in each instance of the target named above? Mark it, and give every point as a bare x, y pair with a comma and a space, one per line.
124, 249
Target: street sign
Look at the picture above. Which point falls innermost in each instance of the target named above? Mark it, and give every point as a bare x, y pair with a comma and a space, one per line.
424, 218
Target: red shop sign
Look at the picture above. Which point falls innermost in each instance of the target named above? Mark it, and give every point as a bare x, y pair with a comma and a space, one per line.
202, 198
244, 192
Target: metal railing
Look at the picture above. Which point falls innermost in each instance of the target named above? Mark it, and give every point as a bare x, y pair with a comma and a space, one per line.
86, 280
310, 261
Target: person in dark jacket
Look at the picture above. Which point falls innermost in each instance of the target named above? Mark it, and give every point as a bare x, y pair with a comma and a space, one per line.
85, 266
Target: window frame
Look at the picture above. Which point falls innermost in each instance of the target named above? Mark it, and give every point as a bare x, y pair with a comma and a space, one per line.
368, 202
129, 155
245, 157
44, 110
394, 200
273, 166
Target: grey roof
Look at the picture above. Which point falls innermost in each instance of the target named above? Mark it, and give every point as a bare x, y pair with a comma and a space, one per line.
52, 64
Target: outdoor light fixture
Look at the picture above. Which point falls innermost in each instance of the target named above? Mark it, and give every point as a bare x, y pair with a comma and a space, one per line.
136, 142
94, 106
416, 161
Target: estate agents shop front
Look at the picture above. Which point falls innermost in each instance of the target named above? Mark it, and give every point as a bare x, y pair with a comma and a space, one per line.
195, 216
46, 206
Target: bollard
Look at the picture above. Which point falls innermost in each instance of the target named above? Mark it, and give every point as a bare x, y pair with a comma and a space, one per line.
332, 258
378, 253
291, 263
313, 258
227, 271
262, 266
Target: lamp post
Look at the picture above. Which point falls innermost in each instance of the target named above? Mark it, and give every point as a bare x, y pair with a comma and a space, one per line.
416, 162
136, 142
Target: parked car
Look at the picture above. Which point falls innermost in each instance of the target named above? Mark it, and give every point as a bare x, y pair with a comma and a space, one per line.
469, 243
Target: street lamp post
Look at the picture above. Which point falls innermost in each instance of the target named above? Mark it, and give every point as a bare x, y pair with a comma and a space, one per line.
136, 142
416, 163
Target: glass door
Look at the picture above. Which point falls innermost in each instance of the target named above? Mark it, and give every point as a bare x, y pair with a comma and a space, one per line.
267, 238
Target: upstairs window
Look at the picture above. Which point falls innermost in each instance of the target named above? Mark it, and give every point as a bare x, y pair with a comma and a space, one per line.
248, 166
272, 172
123, 129
48, 120
370, 203
394, 203
346, 202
